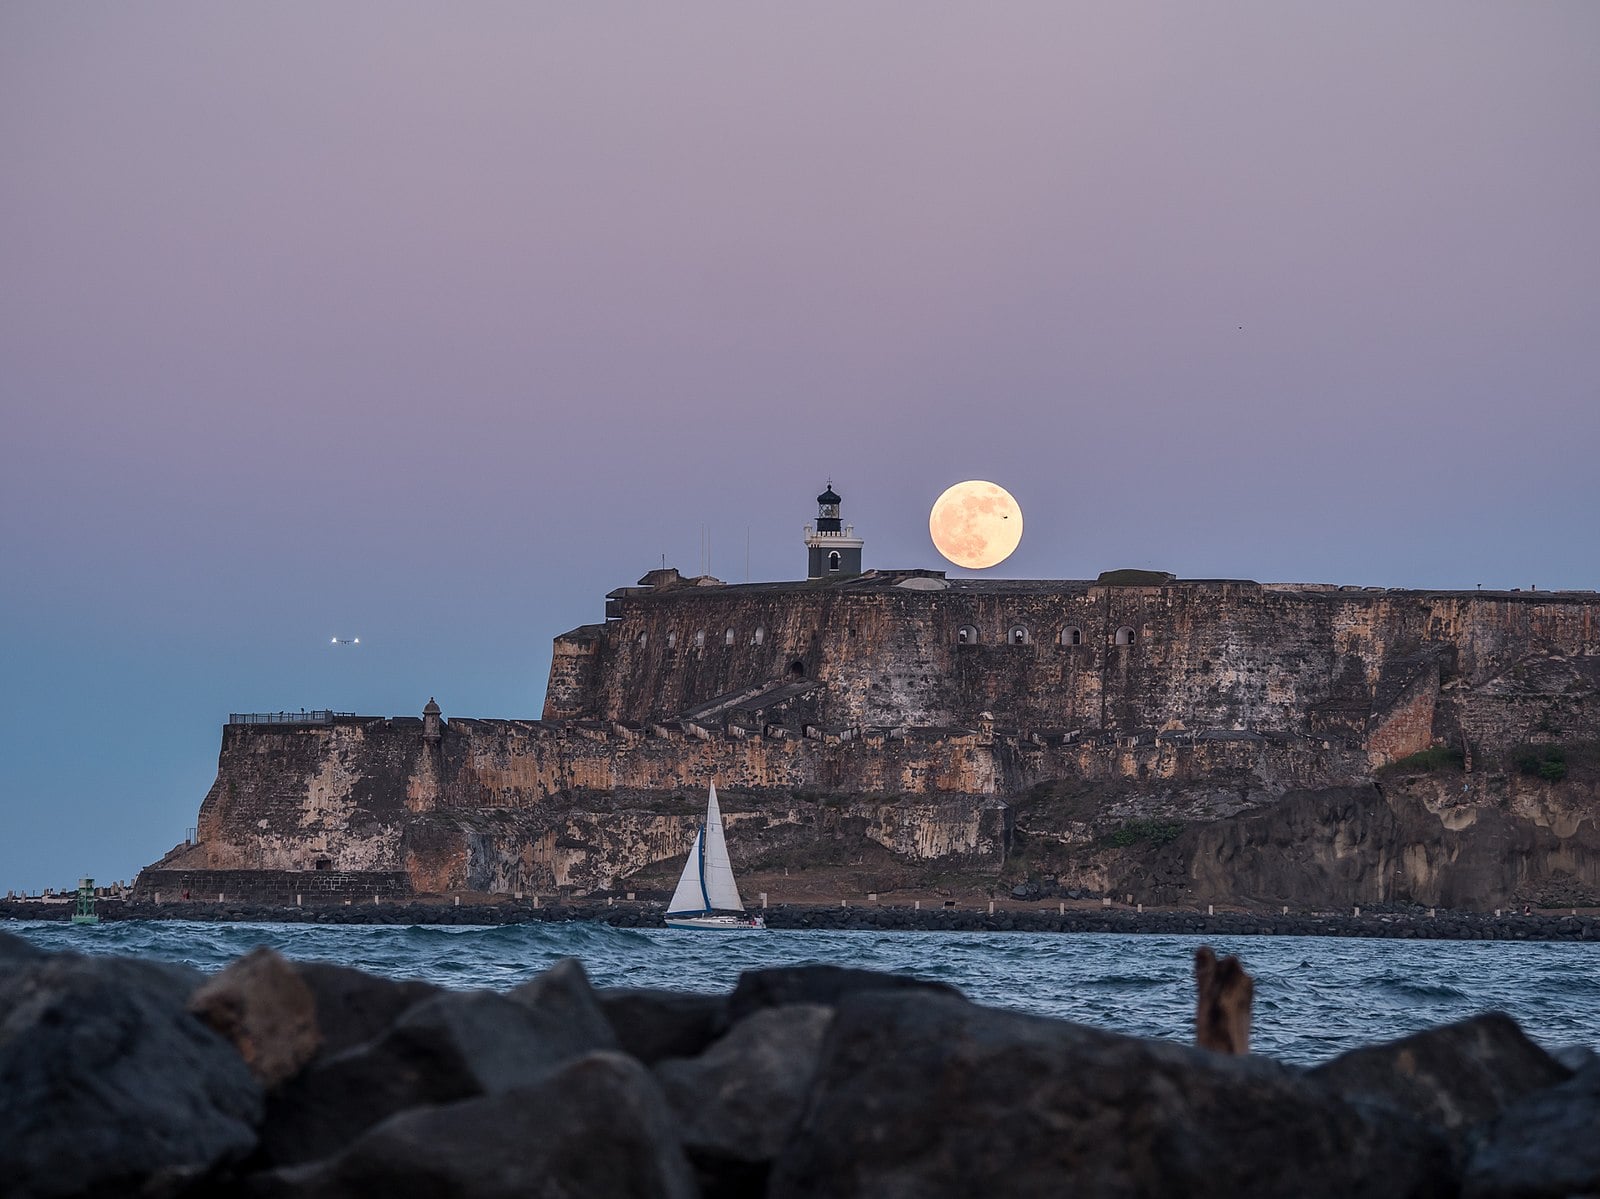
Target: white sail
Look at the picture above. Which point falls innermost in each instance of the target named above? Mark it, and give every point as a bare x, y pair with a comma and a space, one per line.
706, 884
722, 893
690, 896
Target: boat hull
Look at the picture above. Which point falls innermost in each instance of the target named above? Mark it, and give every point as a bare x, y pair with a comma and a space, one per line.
717, 923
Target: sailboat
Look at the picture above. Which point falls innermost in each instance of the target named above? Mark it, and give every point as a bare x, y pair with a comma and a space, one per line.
707, 897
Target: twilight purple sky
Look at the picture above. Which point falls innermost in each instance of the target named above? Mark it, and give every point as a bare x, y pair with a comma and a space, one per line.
430, 324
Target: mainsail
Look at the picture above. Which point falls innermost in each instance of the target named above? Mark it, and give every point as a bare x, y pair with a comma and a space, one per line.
706, 884
690, 895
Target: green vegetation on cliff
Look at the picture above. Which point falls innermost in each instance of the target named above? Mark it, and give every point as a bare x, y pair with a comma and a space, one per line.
1150, 832
1548, 762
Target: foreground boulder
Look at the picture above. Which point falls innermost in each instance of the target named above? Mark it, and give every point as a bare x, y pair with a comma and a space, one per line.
807, 1081
828, 985
107, 1081
922, 1094
353, 1007
15, 949
736, 1105
1544, 1146
453, 1045
596, 1126
1454, 1076
565, 1006
264, 1009
652, 1024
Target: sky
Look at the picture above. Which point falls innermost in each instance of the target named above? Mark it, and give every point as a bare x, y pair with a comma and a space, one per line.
431, 324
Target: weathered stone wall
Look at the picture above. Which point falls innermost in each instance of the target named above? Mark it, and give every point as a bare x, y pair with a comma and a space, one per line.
575, 665
1204, 655
508, 804
288, 795
282, 887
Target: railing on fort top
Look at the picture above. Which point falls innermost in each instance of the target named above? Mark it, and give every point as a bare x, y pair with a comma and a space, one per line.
319, 716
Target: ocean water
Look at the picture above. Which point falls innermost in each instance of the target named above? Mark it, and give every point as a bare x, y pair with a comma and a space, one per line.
1315, 996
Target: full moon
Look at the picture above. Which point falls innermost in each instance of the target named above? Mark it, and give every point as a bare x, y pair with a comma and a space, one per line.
975, 524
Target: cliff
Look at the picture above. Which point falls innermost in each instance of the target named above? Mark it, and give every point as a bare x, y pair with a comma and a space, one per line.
1193, 741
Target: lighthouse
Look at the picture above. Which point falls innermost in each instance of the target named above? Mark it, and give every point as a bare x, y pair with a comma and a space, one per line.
832, 550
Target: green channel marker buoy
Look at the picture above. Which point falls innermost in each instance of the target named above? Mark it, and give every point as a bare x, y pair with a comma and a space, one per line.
85, 913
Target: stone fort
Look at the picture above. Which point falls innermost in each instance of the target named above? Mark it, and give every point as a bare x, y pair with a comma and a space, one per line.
960, 721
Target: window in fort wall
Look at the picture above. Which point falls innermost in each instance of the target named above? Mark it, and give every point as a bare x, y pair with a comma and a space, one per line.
699, 639
967, 635
727, 638
1072, 635
672, 641
1125, 636
1019, 635
758, 636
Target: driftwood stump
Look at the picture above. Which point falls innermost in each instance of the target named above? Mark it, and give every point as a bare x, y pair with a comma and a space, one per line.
1222, 1007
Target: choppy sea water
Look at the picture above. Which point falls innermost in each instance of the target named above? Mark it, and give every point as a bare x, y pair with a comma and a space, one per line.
1315, 996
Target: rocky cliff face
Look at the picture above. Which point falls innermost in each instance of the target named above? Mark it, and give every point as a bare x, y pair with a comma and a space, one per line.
1435, 838
1184, 742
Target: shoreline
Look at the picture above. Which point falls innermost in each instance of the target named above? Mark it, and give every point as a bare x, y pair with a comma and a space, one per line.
1391, 924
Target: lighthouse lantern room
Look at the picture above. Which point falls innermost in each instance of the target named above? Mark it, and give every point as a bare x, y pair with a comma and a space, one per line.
832, 550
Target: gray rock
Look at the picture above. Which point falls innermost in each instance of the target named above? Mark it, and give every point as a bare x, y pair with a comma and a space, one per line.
779, 985
353, 1007
15, 949
262, 1007
567, 1006
655, 1024
595, 1127
1454, 1076
454, 1045
1542, 1147
1575, 1057
919, 1094
106, 1080
736, 1104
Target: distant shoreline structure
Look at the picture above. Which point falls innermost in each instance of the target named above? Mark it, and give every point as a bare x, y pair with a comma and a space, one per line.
1181, 741
971, 916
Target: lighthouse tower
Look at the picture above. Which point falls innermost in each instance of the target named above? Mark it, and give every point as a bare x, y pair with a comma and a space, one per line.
831, 550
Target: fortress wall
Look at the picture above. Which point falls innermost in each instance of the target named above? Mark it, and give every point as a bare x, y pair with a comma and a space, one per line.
281, 887
589, 848
286, 798
1206, 655
286, 794
891, 656
654, 667
576, 664
503, 764
351, 793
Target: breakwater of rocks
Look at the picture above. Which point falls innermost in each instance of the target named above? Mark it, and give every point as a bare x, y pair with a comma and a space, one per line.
1388, 922
275, 1079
